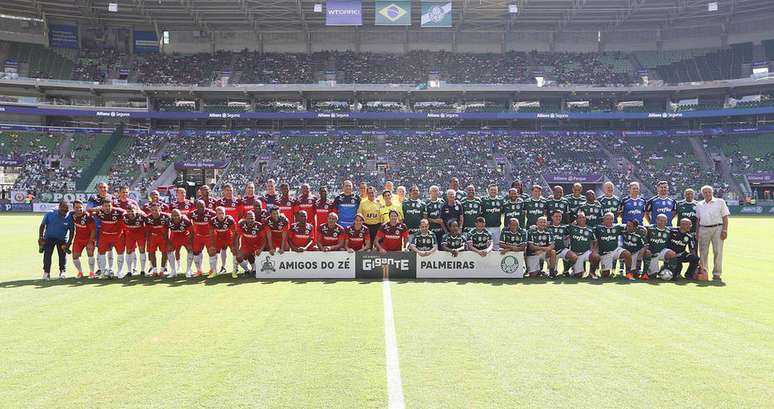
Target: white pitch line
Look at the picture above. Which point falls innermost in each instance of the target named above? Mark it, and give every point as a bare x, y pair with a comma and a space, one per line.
394, 384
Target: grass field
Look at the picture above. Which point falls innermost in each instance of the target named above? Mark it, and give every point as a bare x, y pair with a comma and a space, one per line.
321, 344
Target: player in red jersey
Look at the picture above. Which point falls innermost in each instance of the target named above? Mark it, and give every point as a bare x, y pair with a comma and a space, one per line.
358, 238
110, 235
270, 197
330, 236
224, 227
300, 237
392, 236
180, 235
135, 233
230, 203
181, 203
250, 202
253, 236
278, 230
158, 239
85, 237
203, 237
286, 204
322, 207
155, 197
210, 203
123, 201
305, 201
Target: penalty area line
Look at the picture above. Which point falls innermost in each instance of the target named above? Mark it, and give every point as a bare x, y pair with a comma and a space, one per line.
394, 383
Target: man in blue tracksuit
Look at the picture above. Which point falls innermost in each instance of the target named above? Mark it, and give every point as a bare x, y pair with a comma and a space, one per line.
662, 203
55, 228
346, 204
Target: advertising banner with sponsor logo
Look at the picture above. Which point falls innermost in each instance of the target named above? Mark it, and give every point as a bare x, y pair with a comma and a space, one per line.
762, 177
573, 178
145, 42
436, 13
44, 207
205, 164
62, 36
55, 197
471, 265
343, 13
334, 264
16, 207
18, 196
11, 163
392, 13
752, 210
377, 265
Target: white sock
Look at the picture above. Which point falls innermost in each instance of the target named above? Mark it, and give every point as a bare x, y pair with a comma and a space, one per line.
172, 262
131, 261
91, 264
223, 258
109, 260
198, 261
234, 260
189, 262
101, 263
77, 263
120, 263
143, 257
214, 263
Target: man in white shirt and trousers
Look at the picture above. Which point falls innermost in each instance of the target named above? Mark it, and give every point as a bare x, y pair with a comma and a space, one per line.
712, 219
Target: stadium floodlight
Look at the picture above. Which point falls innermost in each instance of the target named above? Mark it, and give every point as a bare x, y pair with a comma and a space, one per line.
513, 8
712, 6
113, 7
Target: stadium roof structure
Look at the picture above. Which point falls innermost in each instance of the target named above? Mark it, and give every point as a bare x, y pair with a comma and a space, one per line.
653, 18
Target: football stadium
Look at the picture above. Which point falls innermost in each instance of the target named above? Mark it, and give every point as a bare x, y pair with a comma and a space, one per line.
386, 204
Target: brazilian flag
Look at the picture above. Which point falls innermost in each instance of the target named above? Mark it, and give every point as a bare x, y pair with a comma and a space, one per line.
392, 13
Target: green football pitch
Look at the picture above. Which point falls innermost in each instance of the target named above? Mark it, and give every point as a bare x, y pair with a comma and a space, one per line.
146, 343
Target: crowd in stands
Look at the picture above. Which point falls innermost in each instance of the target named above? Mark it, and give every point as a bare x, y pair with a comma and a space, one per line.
36, 151
176, 69
138, 161
96, 64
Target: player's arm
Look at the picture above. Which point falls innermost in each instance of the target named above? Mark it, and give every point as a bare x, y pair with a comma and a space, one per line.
92, 231
318, 237
378, 243
346, 246
340, 242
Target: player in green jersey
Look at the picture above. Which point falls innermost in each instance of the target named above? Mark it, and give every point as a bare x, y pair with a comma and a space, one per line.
658, 239
634, 243
558, 232
492, 208
608, 249
686, 208
414, 210
535, 207
609, 201
581, 243
513, 206
592, 209
433, 208
540, 248
558, 202
513, 238
454, 241
471, 209
454, 184
480, 240
575, 200
423, 243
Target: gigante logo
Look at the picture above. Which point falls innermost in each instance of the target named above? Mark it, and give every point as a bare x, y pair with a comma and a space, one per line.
371, 263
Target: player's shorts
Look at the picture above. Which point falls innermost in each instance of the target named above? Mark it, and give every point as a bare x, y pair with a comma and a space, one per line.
249, 248
178, 241
653, 267
562, 254
580, 263
609, 259
495, 232
533, 262
222, 243
200, 243
276, 241
134, 241
80, 245
635, 261
156, 243
106, 241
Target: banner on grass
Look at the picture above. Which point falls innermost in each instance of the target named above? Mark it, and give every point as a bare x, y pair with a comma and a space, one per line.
436, 13
62, 36
334, 264
376, 265
392, 13
343, 13
468, 264
146, 42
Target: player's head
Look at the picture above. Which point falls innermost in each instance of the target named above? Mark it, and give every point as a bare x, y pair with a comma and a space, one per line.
64, 206
516, 184
301, 217
250, 216
107, 204
536, 191
685, 225
470, 191
492, 189
180, 194
480, 223
387, 197
204, 190
424, 226
401, 191
362, 187
371, 193
323, 191
333, 218
513, 224
556, 217
77, 207
155, 209
131, 211
558, 192
577, 188
274, 212
580, 219
513, 194
271, 186
228, 190
176, 215
631, 226
634, 189
608, 188
123, 192
451, 194
347, 187
414, 192
454, 227
541, 222
608, 218
454, 183
435, 191
662, 187
359, 220
305, 189
591, 197
661, 220
250, 189
689, 194
394, 216
388, 186
200, 205
102, 189
707, 192
284, 189
220, 212
154, 196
